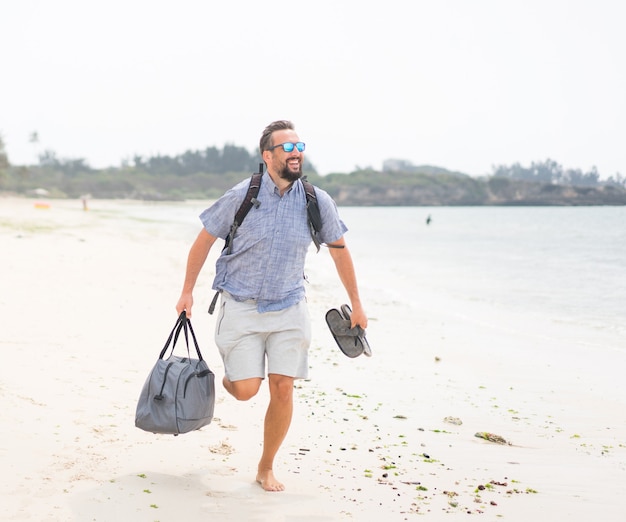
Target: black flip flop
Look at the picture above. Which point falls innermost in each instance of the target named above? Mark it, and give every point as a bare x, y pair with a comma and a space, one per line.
351, 341
347, 313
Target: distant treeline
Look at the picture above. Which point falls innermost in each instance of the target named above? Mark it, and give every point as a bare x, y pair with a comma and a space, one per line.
212, 160
206, 174
550, 171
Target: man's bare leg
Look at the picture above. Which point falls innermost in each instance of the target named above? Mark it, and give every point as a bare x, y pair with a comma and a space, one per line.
242, 390
277, 421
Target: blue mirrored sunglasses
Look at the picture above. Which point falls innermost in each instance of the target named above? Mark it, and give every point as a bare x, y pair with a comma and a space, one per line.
288, 146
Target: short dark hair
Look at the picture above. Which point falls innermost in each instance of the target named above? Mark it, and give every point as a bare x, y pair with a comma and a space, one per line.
266, 137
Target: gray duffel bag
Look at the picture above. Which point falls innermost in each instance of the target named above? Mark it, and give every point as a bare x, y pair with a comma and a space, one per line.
179, 394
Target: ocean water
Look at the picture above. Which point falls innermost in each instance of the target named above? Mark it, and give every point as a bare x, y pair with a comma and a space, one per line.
561, 267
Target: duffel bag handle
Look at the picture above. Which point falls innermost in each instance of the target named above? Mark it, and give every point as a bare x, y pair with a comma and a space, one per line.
182, 323
193, 336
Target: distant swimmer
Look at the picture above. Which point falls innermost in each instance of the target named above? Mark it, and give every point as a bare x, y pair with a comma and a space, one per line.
428, 219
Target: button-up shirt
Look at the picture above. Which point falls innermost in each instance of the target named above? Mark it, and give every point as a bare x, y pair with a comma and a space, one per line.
269, 249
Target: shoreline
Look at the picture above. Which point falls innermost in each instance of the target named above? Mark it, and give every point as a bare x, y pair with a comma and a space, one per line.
569, 199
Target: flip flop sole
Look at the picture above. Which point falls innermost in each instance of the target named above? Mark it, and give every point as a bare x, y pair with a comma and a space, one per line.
345, 337
347, 314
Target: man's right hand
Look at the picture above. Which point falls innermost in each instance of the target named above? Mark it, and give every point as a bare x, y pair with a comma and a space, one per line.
185, 303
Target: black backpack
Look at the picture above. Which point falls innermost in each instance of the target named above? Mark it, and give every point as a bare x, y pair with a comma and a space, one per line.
312, 209
314, 217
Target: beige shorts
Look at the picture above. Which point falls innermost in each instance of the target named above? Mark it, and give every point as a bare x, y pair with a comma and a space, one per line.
246, 338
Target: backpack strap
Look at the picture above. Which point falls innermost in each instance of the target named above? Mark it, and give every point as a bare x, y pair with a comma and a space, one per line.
314, 217
313, 214
249, 201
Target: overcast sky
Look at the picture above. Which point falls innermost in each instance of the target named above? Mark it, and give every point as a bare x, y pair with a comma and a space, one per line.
461, 84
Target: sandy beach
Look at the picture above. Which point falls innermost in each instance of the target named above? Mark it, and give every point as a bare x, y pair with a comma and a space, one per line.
87, 300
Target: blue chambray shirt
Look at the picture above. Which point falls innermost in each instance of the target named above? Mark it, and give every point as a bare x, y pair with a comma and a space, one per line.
270, 246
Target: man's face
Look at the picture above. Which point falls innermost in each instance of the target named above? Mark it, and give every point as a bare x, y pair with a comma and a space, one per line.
287, 165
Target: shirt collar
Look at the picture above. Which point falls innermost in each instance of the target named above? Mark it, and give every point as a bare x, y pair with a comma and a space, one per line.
272, 187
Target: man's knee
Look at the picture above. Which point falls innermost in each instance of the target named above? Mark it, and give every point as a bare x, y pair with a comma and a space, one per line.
243, 390
281, 387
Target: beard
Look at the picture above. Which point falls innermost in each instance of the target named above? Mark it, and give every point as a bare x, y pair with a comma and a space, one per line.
290, 175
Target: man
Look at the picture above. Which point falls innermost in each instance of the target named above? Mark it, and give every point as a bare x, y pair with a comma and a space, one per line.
263, 311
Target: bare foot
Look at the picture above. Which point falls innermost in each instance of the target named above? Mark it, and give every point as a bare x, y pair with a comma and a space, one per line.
268, 481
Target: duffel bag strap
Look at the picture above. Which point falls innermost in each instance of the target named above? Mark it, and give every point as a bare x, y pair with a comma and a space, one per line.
174, 333
195, 341
182, 323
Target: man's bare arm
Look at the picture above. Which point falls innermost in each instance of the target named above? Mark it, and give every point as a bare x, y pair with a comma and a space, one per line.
345, 270
195, 261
